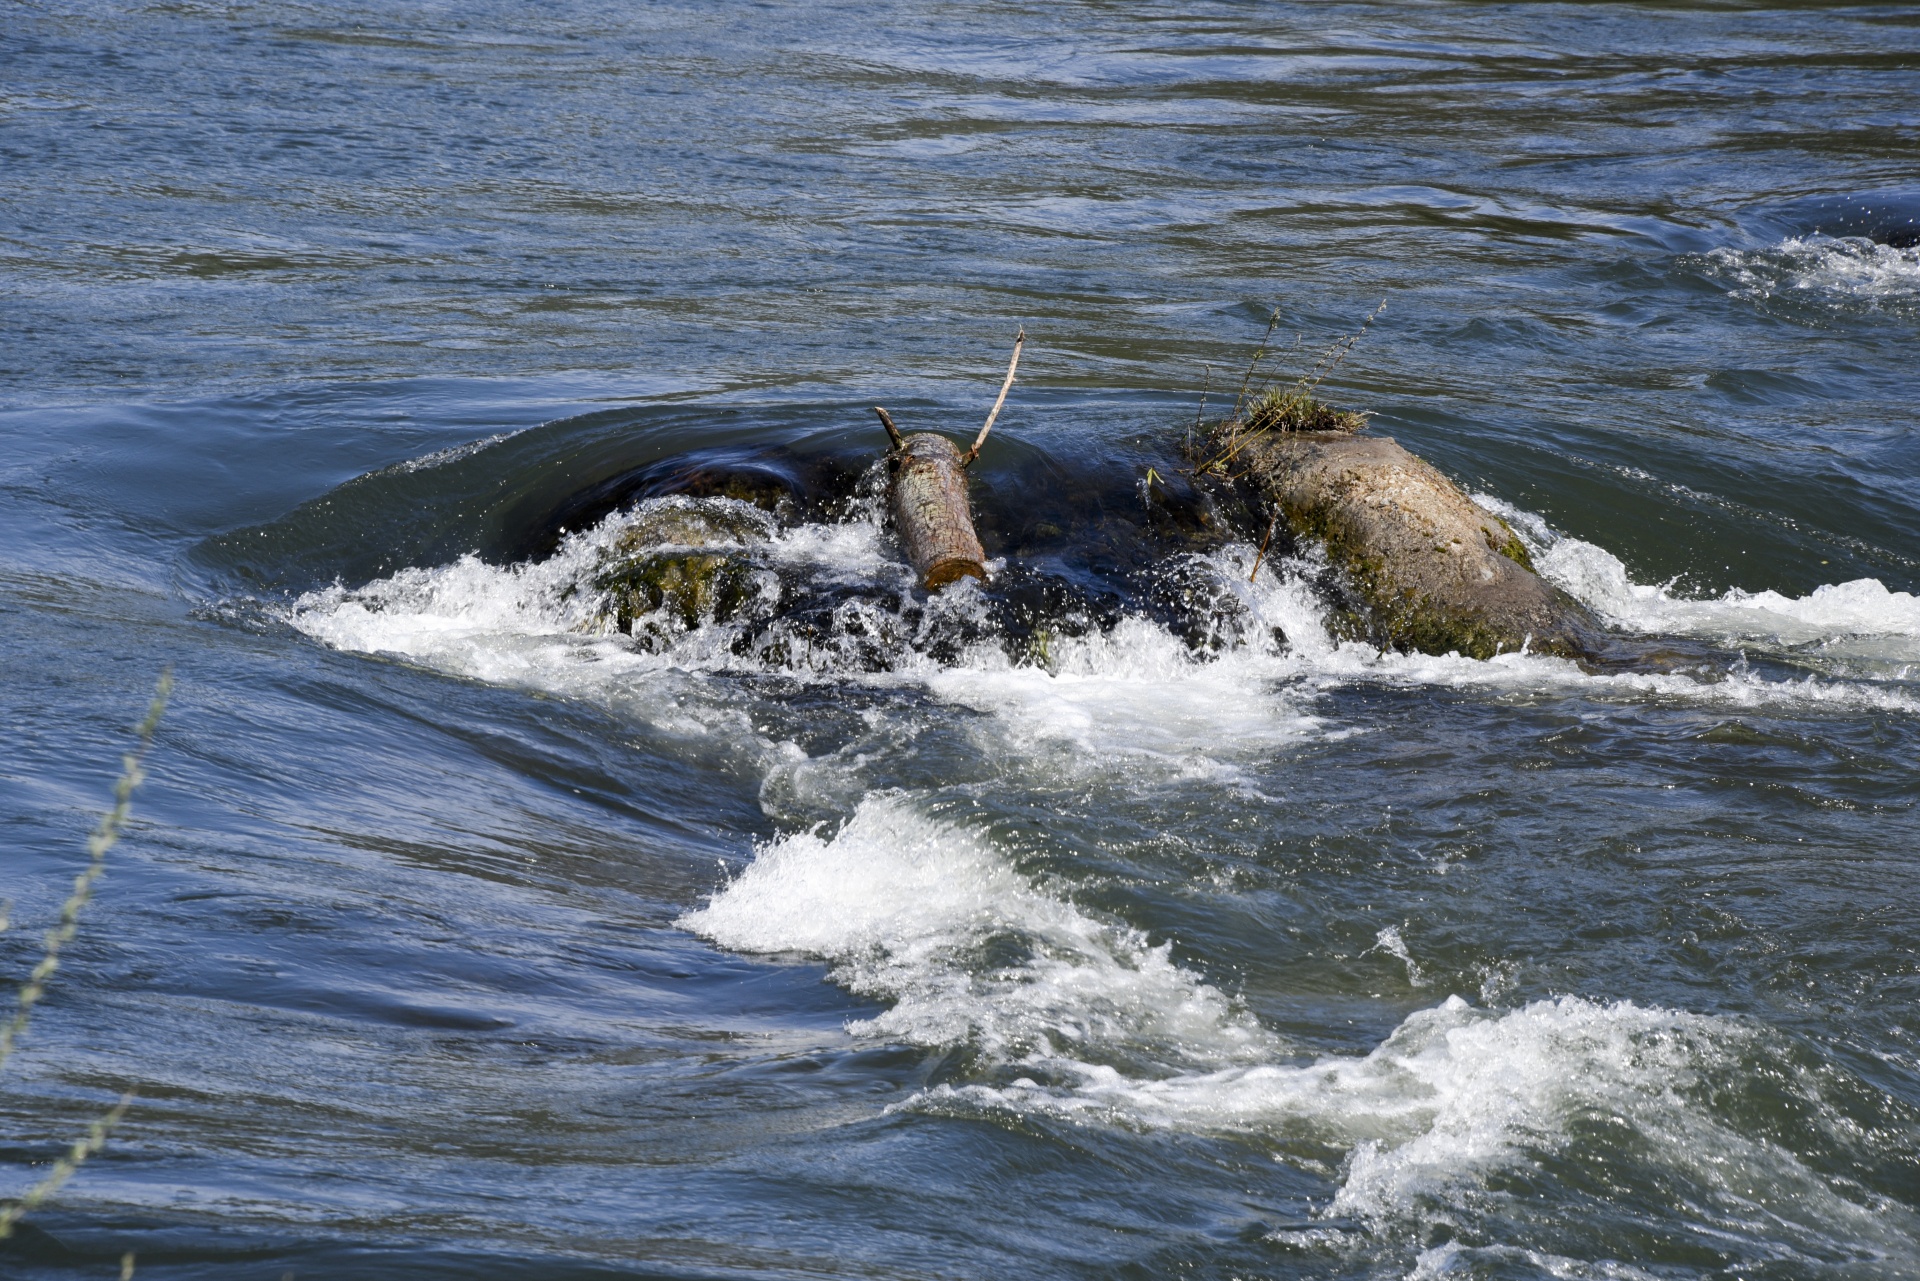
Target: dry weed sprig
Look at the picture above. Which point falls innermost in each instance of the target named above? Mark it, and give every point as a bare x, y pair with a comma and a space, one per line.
1272, 525
83, 1147
1337, 351
105, 836
1284, 408
1246, 379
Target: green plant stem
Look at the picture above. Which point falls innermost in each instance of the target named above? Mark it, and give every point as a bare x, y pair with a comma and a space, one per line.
1258, 352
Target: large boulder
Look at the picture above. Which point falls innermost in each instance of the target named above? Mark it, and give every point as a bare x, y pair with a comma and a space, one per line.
1424, 567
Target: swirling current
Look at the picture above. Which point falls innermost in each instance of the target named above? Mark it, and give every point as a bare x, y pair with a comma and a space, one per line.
1112, 918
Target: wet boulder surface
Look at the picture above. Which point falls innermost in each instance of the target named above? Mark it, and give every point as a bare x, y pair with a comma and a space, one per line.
681, 561
792, 564
1419, 565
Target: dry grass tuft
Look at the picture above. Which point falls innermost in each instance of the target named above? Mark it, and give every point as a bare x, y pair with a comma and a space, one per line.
1291, 409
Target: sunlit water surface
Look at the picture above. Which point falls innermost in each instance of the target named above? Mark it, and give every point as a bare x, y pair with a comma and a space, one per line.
456, 937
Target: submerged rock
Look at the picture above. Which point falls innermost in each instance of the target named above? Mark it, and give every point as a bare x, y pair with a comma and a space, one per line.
682, 561
1424, 566
689, 588
694, 522
774, 478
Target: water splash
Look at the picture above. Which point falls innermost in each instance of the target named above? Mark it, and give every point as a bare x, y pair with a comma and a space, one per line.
834, 605
1076, 1020
1851, 272
926, 915
1861, 618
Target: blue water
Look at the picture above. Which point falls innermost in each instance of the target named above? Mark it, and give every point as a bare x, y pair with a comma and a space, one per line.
455, 937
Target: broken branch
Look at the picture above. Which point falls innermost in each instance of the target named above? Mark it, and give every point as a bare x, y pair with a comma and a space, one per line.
1019, 341
893, 433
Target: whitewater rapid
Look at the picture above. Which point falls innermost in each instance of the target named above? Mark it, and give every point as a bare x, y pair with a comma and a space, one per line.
1848, 273
1077, 1018
1136, 689
1095, 1025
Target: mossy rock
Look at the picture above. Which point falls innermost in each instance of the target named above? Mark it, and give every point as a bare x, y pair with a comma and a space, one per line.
1425, 567
682, 560
687, 588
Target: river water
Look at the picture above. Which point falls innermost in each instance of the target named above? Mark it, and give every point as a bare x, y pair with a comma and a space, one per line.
1111, 921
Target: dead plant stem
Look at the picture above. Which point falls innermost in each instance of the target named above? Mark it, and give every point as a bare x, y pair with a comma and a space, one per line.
1019, 341
105, 836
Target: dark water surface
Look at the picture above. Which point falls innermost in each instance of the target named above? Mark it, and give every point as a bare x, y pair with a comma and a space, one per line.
1066, 929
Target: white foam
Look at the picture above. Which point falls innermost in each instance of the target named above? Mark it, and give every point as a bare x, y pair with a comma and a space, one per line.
1452, 1094
841, 552
1847, 271
1137, 694
1455, 1097
1106, 1029
1133, 698
1860, 618
537, 623
1858, 610
1394, 944
903, 904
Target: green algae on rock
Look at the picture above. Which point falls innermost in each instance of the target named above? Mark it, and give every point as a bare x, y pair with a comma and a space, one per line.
1426, 567
681, 562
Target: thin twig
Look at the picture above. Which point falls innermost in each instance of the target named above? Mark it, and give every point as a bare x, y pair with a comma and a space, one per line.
1271, 526
1232, 421
1258, 352
1019, 341
893, 433
1200, 413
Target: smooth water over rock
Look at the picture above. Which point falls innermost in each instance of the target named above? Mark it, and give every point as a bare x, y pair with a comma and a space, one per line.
486, 916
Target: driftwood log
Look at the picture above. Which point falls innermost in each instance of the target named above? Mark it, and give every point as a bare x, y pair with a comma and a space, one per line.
927, 493
1431, 570
930, 510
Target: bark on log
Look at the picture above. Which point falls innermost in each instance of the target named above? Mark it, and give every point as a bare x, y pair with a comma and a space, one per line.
929, 495
1433, 570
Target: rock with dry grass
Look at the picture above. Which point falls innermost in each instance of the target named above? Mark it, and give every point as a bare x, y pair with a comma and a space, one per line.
1421, 565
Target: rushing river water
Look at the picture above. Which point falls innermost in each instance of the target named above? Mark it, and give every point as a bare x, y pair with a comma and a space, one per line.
1111, 921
